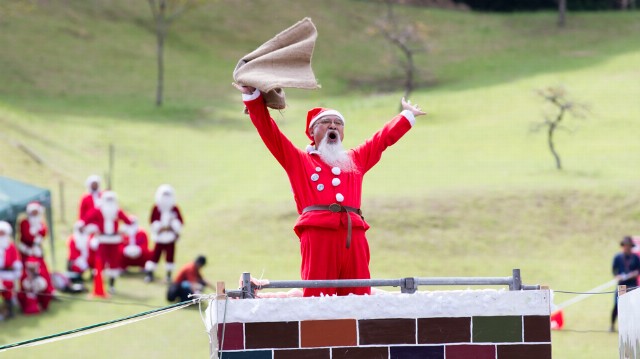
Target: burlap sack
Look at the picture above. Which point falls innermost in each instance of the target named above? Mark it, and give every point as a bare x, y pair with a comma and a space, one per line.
283, 61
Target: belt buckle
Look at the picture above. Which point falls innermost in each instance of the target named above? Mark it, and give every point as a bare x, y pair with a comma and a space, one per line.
334, 207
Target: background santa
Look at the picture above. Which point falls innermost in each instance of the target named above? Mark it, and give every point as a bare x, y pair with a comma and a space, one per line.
90, 199
35, 294
105, 220
10, 267
33, 231
79, 253
135, 247
166, 225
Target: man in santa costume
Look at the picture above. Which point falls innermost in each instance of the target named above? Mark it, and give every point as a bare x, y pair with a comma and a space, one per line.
90, 199
166, 225
10, 267
33, 230
105, 220
35, 294
135, 247
79, 253
327, 184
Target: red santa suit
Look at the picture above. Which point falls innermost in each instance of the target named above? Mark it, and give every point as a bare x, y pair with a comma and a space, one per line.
10, 263
166, 225
90, 199
135, 249
33, 230
35, 294
322, 232
106, 225
79, 250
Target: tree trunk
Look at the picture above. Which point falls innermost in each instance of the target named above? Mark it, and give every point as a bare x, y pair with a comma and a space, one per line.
161, 32
562, 10
552, 128
410, 71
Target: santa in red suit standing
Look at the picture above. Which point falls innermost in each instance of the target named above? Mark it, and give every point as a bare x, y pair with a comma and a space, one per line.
327, 185
35, 294
33, 231
166, 225
104, 220
10, 267
90, 199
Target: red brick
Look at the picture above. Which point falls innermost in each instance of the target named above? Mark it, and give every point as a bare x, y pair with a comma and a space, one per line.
328, 333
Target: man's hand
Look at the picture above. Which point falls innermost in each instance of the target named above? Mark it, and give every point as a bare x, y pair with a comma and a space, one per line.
247, 90
415, 109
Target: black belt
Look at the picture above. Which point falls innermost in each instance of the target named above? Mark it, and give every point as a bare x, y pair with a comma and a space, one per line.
334, 207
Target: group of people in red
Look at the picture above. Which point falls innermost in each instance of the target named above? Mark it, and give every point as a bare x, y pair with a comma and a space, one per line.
107, 238
104, 239
23, 263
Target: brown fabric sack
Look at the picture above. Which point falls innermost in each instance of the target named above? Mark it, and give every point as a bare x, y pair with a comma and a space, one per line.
283, 61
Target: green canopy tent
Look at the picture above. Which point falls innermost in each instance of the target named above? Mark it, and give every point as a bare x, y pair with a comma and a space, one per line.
14, 197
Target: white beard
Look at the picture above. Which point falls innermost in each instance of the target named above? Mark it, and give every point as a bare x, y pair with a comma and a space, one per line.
34, 221
4, 243
334, 155
165, 203
109, 210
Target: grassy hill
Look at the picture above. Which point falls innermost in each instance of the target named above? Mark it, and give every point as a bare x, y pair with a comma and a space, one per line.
469, 191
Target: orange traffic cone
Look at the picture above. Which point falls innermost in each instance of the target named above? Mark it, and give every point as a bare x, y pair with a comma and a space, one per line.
98, 286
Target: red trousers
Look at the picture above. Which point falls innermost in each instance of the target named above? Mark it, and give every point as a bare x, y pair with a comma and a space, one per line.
168, 248
325, 256
111, 256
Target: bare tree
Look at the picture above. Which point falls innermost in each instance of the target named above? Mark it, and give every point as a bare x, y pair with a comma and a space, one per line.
562, 11
410, 38
557, 97
165, 12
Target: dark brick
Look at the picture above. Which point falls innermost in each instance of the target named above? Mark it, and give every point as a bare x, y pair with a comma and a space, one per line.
524, 351
360, 353
255, 354
328, 333
387, 331
417, 352
444, 330
472, 351
324, 353
271, 335
497, 329
537, 328
233, 336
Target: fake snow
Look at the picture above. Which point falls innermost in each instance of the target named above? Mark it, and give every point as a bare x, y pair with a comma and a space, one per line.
426, 304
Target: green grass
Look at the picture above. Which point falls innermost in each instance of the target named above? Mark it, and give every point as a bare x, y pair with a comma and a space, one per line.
469, 191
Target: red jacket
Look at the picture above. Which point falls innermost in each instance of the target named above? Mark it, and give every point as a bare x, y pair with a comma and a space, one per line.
86, 205
26, 235
312, 180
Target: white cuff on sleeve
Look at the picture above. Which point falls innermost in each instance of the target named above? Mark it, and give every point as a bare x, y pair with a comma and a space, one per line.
409, 116
253, 96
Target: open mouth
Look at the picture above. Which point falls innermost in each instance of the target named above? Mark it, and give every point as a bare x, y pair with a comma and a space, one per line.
332, 135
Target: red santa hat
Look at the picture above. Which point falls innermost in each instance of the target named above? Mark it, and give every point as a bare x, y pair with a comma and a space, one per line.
34, 206
315, 114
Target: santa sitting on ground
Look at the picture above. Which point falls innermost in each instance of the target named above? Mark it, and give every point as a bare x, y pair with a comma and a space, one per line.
35, 294
135, 247
10, 268
79, 255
